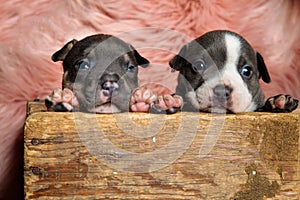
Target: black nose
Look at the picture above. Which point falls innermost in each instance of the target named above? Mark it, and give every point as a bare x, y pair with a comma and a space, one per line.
109, 87
222, 93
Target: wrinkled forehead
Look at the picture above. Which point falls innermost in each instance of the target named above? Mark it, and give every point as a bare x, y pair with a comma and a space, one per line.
218, 47
206, 48
108, 55
109, 49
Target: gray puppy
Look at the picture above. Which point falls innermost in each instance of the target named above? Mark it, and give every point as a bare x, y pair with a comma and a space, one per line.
220, 72
100, 73
101, 76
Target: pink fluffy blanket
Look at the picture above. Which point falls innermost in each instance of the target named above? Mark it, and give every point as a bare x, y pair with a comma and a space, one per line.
32, 30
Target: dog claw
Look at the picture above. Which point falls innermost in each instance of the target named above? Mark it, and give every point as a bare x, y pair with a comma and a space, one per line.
61, 100
145, 100
280, 104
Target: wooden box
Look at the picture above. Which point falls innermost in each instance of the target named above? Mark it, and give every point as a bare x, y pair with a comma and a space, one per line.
249, 156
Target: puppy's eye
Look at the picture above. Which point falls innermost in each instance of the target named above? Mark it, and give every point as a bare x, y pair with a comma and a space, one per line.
246, 71
129, 67
199, 66
82, 65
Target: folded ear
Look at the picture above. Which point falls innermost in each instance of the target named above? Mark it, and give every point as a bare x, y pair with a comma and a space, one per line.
60, 55
143, 62
262, 69
179, 61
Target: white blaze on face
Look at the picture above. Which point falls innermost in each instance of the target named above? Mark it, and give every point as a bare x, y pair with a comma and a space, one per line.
241, 98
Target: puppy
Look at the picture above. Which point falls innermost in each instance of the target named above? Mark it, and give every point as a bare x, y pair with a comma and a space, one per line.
219, 72
101, 76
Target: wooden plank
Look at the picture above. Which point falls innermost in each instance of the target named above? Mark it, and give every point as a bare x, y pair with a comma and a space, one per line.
153, 156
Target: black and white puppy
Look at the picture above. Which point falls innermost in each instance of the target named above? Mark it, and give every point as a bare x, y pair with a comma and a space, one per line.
101, 76
220, 71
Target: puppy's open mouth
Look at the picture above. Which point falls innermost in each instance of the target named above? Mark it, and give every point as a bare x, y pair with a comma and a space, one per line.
106, 108
104, 102
214, 106
217, 106
218, 109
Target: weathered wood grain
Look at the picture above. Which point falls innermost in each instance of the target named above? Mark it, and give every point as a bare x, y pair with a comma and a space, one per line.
151, 156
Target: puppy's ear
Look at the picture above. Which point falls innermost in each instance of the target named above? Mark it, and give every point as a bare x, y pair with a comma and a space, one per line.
61, 54
143, 62
179, 61
262, 69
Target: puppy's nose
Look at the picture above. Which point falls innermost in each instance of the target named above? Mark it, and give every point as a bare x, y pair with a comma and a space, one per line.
109, 87
222, 93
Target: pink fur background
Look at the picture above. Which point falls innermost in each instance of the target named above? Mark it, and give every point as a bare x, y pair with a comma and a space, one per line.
31, 31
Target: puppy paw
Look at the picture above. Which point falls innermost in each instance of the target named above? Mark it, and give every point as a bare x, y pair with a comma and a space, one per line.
168, 103
61, 100
281, 104
144, 99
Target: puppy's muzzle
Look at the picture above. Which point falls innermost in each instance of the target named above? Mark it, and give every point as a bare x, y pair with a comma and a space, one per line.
110, 85
110, 88
222, 93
